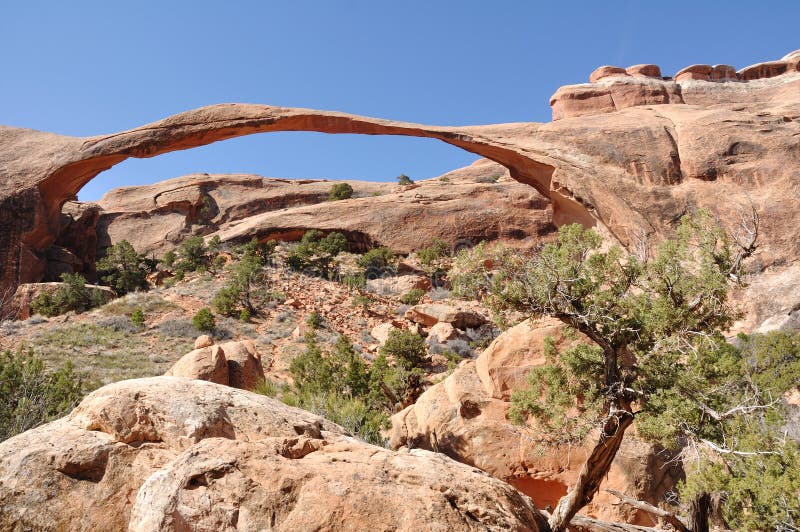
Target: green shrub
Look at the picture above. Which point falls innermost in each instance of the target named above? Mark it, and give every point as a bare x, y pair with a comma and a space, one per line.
137, 318
376, 258
444, 179
244, 315
204, 320
412, 297
340, 191
316, 252
403, 179
437, 250
314, 320
71, 295
265, 387
192, 253
488, 179
354, 281
123, 269
169, 258
243, 287
408, 348
31, 395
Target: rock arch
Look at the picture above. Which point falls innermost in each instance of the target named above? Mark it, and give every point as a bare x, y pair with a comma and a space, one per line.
42, 170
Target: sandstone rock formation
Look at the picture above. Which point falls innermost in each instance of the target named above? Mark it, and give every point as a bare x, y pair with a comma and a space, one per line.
155, 218
168, 453
465, 417
718, 144
236, 364
429, 314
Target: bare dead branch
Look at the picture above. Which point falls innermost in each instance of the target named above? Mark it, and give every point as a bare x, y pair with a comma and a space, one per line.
669, 517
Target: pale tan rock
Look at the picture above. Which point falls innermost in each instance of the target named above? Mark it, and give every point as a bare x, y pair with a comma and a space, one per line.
167, 453
206, 363
381, 332
202, 341
503, 366
605, 72
648, 71
444, 332
399, 284
429, 314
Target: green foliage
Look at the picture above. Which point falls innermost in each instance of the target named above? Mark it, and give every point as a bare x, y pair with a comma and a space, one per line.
354, 281
266, 387
245, 283
244, 315
204, 320
376, 258
437, 250
337, 387
137, 318
412, 297
214, 244
123, 269
340, 191
407, 348
488, 179
314, 320
192, 254
260, 251
316, 252
71, 295
31, 395
403, 179
169, 258
658, 356
472, 271
444, 179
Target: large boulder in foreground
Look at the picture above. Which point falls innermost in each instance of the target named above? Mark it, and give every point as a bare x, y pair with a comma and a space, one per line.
466, 417
169, 453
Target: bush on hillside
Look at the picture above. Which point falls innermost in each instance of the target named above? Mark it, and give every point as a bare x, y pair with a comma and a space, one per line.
340, 191
71, 295
31, 395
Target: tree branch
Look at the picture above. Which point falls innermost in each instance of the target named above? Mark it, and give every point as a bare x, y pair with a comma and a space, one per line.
669, 517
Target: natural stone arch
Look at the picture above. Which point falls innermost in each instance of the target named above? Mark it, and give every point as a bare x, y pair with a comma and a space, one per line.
44, 170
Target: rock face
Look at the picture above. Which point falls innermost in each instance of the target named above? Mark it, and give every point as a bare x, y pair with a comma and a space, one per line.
236, 364
718, 144
168, 453
429, 314
465, 417
155, 218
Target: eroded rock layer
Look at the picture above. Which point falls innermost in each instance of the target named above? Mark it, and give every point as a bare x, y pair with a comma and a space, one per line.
169, 453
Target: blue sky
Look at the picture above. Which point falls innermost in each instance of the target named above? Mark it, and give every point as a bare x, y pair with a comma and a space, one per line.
86, 68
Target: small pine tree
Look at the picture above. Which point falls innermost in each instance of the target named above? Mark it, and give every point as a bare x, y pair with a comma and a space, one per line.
204, 320
340, 191
404, 180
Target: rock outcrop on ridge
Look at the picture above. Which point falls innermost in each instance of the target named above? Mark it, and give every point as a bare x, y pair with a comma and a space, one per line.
728, 144
463, 205
169, 453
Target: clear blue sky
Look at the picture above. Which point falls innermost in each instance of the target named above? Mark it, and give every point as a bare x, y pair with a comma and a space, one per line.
86, 68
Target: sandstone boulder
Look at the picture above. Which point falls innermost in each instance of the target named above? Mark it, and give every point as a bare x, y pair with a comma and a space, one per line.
205, 363
444, 332
168, 453
381, 332
465, 417
244, 364
429, 314
202, 341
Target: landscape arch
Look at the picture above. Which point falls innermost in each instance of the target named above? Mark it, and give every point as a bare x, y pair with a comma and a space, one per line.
45, 170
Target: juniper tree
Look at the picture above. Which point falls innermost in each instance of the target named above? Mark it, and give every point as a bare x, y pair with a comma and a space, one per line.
656, 353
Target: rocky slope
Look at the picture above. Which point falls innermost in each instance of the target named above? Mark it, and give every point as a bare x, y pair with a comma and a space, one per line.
456, 206
216, 458
726, 143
